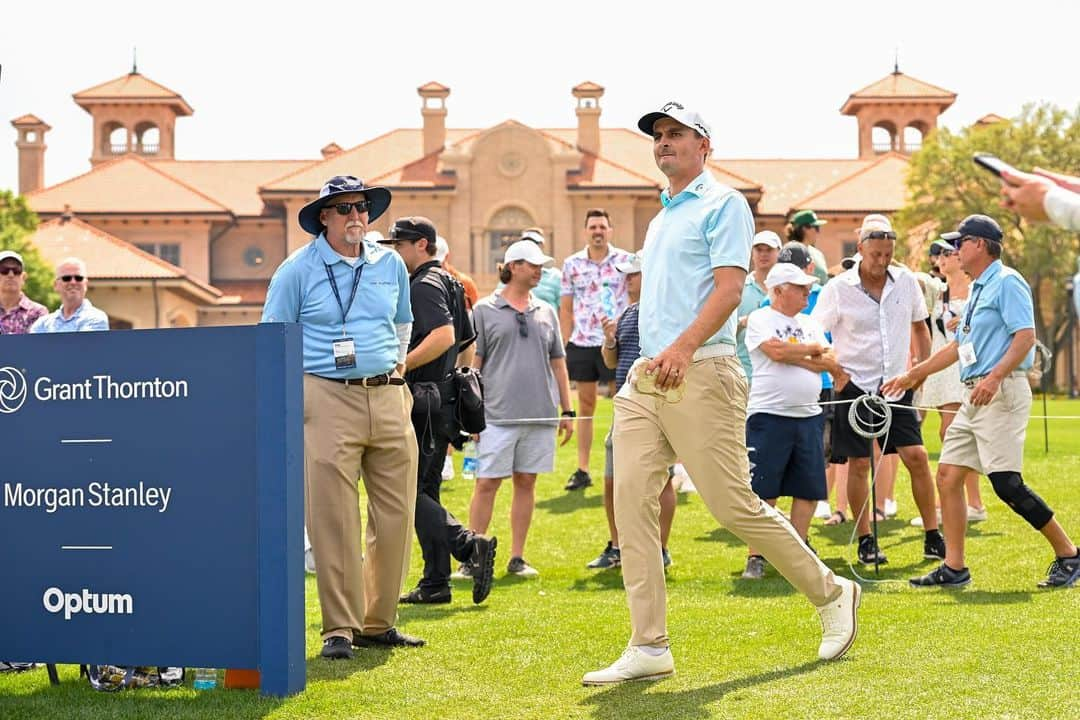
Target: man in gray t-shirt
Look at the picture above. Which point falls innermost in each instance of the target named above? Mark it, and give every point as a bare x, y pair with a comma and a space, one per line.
520, 352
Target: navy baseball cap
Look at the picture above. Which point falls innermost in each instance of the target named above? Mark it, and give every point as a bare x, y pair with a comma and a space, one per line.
379, 198
979, 226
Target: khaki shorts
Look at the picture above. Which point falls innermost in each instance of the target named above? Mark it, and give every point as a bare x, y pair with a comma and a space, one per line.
990, 438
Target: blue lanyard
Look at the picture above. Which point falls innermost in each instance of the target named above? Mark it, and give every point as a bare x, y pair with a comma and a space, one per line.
971, 310
357, 272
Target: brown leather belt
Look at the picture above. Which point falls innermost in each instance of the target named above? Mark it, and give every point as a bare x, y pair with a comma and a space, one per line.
373, 381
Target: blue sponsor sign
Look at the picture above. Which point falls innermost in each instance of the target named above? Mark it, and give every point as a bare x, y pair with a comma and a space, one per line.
151, 499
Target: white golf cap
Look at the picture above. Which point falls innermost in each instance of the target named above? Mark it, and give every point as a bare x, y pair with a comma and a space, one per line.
11, 255
767, 237
442, 248
875, 222
677, 112
783, 273
534, 236
528, 251
632, 264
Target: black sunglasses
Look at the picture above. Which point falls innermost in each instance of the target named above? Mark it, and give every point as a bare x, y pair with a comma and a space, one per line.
344, 208
523, 324
69, 278
10, 271
880, 235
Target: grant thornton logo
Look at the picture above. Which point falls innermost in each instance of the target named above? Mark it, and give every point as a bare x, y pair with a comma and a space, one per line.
12, 389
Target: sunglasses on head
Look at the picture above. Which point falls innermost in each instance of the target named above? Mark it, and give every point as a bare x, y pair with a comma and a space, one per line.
10, 271
880, 235
69, 278
344, 208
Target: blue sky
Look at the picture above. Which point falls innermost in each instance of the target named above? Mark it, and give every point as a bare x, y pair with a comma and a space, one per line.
280, 80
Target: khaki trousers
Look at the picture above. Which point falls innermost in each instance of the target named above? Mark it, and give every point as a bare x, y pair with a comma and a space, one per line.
351, 431
706, 431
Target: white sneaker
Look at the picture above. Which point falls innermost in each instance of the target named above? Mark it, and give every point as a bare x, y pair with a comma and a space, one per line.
976, 515
890, 508
633, 665
823, 511
840, 620
448, 468
309, 562
917, 520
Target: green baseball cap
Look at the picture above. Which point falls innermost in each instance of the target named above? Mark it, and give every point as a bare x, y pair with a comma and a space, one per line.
807, 218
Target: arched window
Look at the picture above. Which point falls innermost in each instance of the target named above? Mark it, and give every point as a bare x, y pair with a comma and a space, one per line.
505, 227
147, 139
115, 140
883, 137
913, 137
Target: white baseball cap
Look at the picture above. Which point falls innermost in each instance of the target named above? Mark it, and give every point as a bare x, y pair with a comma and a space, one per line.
534, 236
875, 222
783, 273
442, 248
528, 251
632, 264
374, 236
677, 112
767, 237
11, 255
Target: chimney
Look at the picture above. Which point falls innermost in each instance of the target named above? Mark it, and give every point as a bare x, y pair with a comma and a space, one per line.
31, 145
330, 150
588, 96
434, 111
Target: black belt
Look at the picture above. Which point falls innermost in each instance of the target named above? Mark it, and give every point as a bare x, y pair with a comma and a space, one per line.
373, 381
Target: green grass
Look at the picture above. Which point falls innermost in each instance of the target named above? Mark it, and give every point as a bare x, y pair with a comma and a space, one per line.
1000, 649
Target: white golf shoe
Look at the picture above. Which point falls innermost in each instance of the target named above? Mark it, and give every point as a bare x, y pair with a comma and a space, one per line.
633, 665
840, 620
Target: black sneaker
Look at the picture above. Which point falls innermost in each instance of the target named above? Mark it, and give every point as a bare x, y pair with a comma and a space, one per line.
580, 479
483, 567
609, 558
424, 596
934, 546
1063, 572
943, 576
869, 552
337, 648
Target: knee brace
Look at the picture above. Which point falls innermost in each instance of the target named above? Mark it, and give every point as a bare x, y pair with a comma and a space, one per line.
1010, 487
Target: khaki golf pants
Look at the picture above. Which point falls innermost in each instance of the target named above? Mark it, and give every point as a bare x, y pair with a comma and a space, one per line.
706, 431
351, 431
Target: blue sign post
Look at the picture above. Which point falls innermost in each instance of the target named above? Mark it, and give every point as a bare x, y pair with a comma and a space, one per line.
151, 499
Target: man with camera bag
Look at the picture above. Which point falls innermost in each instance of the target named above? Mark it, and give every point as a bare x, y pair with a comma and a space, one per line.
441, 330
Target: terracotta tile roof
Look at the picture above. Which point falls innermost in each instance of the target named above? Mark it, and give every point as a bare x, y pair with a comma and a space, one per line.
878, 187
787, 181
897, 86
107, 257
231, 183
127, 184
378, 157
132, 86
991, 119
246, 292
433, 87
588, 86
29, 119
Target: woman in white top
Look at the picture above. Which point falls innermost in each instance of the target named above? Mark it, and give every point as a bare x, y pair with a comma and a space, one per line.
944, 390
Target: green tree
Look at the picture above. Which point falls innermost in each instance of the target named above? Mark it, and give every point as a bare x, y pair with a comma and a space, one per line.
944, 186
17, 223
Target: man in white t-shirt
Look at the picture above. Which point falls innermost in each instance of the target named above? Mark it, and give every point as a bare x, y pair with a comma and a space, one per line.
784, 421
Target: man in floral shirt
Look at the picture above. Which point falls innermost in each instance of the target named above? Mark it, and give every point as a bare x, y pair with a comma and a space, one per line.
585, 276
17, 312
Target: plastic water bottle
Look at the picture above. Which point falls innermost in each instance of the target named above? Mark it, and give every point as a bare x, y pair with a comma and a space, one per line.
205, 678
468, 461
607, 300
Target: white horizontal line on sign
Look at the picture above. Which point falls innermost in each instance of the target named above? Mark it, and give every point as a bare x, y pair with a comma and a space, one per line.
86, 547
85, 441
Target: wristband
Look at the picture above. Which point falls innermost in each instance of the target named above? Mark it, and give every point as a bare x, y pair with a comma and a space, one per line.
569, 414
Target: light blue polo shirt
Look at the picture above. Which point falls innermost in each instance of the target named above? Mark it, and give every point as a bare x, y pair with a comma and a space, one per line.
999, 305
300, 291
707, 225
86, 318
753, 297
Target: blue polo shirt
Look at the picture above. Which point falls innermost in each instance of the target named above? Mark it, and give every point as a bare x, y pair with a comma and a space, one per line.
999, 304
85, 318
300, 291
753, 297
707, 225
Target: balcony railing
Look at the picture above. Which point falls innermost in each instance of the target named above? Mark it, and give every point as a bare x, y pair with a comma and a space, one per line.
118, 149
144, 149
149, 148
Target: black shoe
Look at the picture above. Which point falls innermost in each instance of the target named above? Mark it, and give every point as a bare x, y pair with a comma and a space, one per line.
934, 546
390, 638
422, 596
1063, 572
580, 479
337, 648
943, 576
483, 564
869, 552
